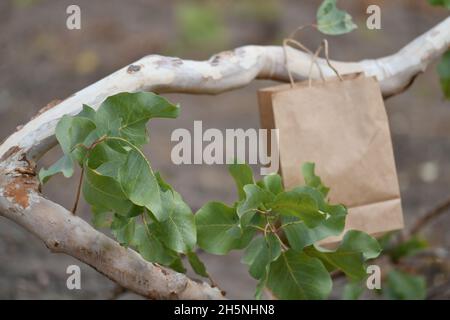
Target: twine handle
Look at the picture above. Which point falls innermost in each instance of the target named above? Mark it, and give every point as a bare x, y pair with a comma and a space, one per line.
324, 45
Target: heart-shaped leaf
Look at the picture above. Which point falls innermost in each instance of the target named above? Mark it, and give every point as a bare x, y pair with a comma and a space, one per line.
332, 21
218, 229
295, 275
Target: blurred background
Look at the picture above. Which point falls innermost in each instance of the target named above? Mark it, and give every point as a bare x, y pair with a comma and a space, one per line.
41, 60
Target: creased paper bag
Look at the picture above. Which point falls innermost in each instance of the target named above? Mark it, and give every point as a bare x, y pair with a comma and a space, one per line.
341, 126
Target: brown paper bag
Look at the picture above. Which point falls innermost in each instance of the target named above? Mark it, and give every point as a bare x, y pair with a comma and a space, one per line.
341, 126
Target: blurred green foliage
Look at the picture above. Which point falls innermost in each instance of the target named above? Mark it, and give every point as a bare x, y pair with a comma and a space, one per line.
403, 286
406, 249
208, 25
24, 3
444, 3
200, 26
262, 11
443, 69
399, 284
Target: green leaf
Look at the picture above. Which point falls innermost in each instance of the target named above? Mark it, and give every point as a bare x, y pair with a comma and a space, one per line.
105, 192
255, 197
443, 3
355, 240
123, 229
443, 69
260, 287
296, 203
64, 165
71, 133
242, 175
177, 265
150, 247
355, 248
197, 265
332, 21
403, 286
260, 253
100, 218
312, 180
300, 236
140, 184
104, 155
87, 112
295, 275
110, 168
178, 231
126, 114
218, 229
352, 290
273, 183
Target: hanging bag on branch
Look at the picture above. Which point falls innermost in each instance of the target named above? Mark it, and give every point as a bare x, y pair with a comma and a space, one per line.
341, 125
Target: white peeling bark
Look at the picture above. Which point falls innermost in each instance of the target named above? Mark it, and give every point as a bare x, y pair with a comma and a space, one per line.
21, 201
226, 71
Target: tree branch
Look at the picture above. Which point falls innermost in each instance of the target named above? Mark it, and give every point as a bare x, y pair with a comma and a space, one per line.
21, 201
63, 232
429, 216
226, 71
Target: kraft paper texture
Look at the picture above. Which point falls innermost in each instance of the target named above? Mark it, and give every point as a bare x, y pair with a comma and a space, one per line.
341, 126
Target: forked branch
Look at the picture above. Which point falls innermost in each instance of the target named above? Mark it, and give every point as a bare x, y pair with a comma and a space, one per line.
21, 201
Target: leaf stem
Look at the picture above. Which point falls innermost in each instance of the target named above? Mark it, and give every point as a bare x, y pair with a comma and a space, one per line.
288, 224
256, 227
283, 246
77, 199
80, 182
274, 231
265, 229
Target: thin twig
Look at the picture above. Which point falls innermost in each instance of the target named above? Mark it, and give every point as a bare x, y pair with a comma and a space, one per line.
80, 182
265, 229
288, 224
257, 227
283, 246
77, 199
429, 216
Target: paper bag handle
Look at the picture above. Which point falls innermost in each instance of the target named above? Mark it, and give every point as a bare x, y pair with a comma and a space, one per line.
323, 45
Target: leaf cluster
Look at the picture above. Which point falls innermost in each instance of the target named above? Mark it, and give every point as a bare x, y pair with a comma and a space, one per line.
280, 230
124, 192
